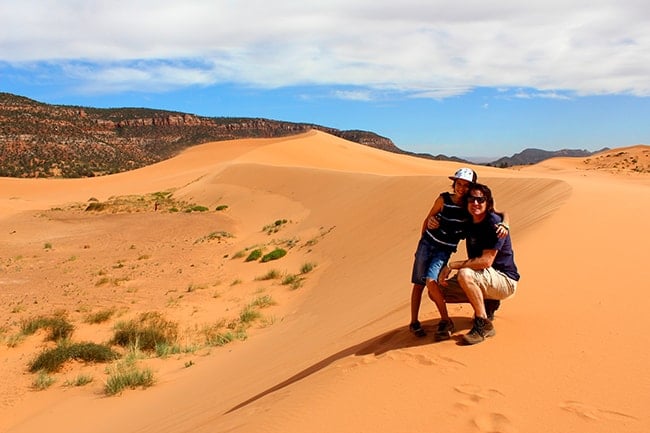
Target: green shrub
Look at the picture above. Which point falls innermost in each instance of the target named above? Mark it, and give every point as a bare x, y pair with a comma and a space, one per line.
274, 255
292, 280
127, 375
42, 381
100, 316
81, 380
146, 332
51, 360
254, 255
221, 207
248, 315
275, 227
214, 336
272, 274
239, 254
197, 208
263, 301
214, 236
307, 267
58, 326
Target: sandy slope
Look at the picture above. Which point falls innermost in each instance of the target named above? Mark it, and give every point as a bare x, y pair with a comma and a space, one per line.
569, 354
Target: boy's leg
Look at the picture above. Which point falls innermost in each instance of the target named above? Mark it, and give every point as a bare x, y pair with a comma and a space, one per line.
437, 297
416, 300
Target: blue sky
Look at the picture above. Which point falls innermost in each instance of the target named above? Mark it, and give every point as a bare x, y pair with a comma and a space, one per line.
471, 78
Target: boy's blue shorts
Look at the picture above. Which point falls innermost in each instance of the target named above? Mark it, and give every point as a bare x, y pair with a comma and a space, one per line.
429, 260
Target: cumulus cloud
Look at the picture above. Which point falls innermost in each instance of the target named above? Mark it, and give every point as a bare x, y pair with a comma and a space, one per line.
424, 48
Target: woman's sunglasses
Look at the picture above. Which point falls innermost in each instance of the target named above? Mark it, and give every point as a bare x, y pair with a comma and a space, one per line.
474, 199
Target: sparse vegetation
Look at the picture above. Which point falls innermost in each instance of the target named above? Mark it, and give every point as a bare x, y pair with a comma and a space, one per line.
274, 255
218, 236
42, 381
80, 380
146, 332
270, 275
127, 374
51, 360
254, 255
221, 207
239, 254
99, 316
58, 326
248, 315
274, 227
196, 208
307, 267
263, 301
294, 281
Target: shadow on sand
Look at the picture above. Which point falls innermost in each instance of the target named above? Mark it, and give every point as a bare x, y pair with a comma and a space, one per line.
395, 339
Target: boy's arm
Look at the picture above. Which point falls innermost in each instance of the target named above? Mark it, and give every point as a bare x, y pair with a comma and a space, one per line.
435, 209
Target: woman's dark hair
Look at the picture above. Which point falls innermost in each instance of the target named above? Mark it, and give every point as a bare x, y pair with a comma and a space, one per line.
487, 193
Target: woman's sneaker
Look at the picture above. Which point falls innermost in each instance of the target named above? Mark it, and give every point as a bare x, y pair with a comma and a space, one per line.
444, 331
481, 330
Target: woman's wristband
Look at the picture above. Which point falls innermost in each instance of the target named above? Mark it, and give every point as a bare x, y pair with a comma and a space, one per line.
504, 225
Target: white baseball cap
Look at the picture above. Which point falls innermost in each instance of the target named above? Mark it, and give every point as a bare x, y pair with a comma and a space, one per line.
465, 174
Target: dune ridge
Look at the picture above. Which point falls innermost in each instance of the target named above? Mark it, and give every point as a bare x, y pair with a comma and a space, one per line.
339, 357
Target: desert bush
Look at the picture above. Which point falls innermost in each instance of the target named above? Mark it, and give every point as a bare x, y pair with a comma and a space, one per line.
254, 255
275, 227
197, 208
248, 314
239, 254
58, 326
100, 316
274, 255
51, 360
221, 207
127, 374
307, 267
81, 380
263, 301
146, 332
214, 236
42, 381
270, 275
292, 280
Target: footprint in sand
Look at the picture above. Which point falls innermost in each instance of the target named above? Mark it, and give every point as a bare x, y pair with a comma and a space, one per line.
493, 423
478, 403
593, 413
477, 393
441, 362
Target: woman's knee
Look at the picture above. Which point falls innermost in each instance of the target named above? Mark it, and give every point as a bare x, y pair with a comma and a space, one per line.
465, 275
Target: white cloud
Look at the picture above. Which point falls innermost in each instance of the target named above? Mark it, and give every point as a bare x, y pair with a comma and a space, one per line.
426, 48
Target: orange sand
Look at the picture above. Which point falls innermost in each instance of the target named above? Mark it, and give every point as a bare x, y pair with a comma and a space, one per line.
334, 355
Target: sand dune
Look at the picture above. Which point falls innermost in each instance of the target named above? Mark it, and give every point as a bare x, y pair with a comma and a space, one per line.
569, 354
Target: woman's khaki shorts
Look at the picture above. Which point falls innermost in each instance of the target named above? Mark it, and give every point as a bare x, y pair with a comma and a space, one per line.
493, 284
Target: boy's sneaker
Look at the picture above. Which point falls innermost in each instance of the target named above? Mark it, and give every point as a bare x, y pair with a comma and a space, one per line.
481, 330
416, 329
444, 331
491, 305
